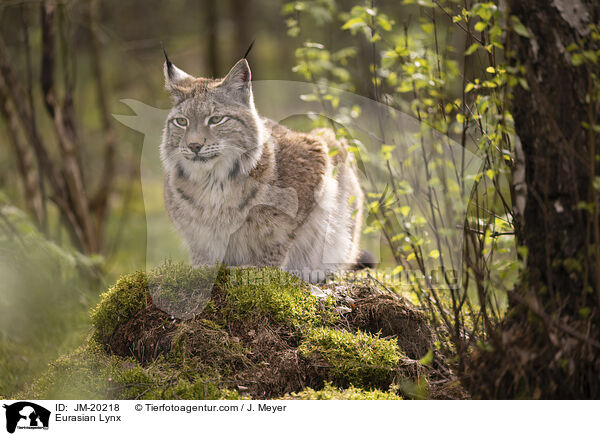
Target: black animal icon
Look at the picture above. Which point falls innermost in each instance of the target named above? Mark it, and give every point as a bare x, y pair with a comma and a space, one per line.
32, 412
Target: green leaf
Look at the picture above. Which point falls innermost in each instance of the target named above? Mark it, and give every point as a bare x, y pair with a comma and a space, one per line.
591, 56
577, 59
353, 22
585, 312
427, 360
397, 270
427, 27
288, 8
519, 27
523, 83
384, 23
472, 48
572, 47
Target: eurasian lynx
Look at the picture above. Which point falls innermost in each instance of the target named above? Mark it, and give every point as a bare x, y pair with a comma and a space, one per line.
245, 190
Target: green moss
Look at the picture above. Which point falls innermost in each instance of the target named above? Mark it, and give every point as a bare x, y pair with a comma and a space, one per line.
358, 358
330, 392
173, 287
252, 328
277, 294
182, 290
120, 302
91, 374
165, 381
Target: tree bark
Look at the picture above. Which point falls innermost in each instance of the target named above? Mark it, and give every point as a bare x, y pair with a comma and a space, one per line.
26, 164
62, 117
549, 344
241, 22
212, 26
64, 175
99, 203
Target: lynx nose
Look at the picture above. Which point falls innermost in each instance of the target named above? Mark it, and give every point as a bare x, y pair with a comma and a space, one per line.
195, 147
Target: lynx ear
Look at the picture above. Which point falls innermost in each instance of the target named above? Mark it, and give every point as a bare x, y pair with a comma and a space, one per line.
175, 78
238, 80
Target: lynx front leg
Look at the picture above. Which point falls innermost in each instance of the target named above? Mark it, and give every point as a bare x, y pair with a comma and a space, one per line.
274, 254
208, 250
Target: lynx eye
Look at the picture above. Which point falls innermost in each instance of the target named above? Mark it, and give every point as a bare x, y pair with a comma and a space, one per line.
181, 122
217, 119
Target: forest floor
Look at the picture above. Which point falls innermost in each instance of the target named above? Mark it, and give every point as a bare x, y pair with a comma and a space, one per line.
229, 333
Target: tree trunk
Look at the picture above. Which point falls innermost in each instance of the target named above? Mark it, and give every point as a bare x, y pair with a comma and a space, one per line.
212, 26
63, 174
241, 22
549, 344
64, 125
30, 176
99, 202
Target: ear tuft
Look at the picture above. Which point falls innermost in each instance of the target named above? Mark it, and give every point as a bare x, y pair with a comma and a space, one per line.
175, 79
249, 48
168, 62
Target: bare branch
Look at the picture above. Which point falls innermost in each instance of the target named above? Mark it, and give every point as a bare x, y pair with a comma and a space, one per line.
99, 203
25, 161
65, 132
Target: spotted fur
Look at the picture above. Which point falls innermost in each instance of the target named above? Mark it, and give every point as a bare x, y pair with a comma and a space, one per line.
247, 191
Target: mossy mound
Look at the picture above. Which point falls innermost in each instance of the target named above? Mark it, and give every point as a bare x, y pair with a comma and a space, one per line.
183, 333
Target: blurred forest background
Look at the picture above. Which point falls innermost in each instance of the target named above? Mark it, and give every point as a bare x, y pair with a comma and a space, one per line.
487, 75
72, 211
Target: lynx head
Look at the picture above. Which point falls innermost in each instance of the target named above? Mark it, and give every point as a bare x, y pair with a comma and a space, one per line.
213, 126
